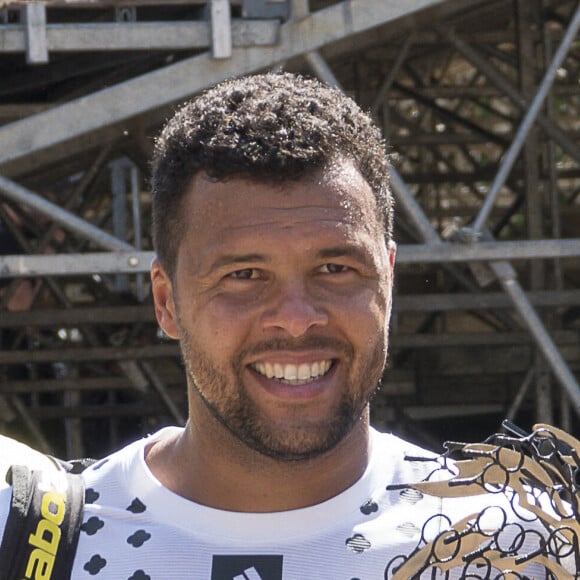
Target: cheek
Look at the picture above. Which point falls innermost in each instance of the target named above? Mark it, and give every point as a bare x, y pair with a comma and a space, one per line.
221, 326
364, 315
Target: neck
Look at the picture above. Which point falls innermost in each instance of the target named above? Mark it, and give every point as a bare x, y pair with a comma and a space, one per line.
221, 472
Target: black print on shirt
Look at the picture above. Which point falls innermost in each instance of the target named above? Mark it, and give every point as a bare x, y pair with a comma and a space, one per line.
137, 506
358, 543
95, 564
140, 575
247, 567
138, 538
91, 496
100, 464
411, 495
370, 507
92, 526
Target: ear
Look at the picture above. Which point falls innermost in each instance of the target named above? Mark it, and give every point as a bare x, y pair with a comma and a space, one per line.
392, 253
162, 291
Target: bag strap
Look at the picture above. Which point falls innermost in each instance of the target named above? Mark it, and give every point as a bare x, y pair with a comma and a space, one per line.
43, 525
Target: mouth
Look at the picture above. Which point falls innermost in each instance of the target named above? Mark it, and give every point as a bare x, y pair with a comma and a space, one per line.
293, 374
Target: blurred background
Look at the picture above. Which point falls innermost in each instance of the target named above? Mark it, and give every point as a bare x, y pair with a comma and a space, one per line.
479, 102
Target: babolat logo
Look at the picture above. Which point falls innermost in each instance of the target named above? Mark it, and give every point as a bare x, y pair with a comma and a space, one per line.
45, 540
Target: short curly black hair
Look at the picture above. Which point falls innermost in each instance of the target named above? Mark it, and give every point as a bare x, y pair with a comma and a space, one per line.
269, 127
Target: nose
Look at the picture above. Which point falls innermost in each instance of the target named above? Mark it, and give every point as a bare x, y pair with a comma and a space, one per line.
294, 311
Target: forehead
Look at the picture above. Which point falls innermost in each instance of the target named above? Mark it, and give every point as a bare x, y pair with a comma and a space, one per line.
337, 192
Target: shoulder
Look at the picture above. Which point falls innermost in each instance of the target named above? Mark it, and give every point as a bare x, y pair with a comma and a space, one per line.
5, 498
405, 461
393, 445
13, 452
123, 473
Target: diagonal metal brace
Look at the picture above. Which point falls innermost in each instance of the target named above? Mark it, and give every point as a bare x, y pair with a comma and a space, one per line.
514, 150
508, 280
69, 221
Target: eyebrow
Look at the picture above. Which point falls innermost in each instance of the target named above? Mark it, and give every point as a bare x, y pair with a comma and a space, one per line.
345, 251
326, 253
229, 259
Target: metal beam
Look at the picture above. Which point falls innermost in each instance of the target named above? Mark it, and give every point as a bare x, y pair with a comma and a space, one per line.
27, 419
163, 393
320, 68
299, 9
69, 221
141, 353
76, 264
221, 28
451, 116
474, 339
146, 409
59, 385
508, 280
401, 303
35, 38
102, 4
485, 251
530, 117
434, 412
163, 87
79, 190
414, 211
504, 85
87, 354
109, 36
390, 76
506, 275
481, 301
68, 317
127, 262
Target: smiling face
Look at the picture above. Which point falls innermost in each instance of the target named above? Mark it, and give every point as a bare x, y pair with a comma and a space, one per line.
281, 301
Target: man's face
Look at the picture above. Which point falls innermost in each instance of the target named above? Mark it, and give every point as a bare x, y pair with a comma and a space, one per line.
281, 300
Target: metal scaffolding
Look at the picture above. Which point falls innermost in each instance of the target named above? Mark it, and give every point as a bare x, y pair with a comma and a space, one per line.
479, 102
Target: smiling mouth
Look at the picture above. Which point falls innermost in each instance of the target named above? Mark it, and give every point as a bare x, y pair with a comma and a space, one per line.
291, 374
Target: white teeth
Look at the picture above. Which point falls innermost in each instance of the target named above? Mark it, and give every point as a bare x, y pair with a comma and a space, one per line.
304, 371
294, 374
278, 371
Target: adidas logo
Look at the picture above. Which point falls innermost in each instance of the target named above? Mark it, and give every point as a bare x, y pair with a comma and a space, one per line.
247, 567
249, 574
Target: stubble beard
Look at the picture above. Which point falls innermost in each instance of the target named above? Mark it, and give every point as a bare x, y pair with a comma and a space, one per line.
224, 395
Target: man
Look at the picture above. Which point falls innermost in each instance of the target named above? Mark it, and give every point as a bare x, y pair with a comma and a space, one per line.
273, 230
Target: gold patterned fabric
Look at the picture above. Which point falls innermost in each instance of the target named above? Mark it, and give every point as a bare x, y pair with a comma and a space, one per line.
529, 515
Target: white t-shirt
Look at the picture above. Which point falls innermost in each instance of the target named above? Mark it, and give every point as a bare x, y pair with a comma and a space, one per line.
136, 529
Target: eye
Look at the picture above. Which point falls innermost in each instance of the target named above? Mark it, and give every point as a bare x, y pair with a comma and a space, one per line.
245, 274
333, 268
